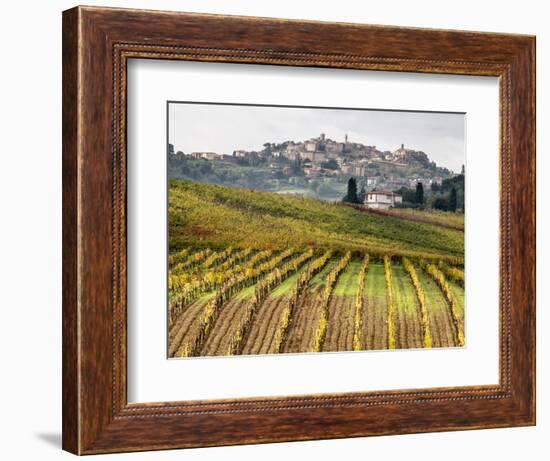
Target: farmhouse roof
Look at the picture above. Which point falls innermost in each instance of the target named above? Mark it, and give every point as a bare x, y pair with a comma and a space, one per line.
384, 192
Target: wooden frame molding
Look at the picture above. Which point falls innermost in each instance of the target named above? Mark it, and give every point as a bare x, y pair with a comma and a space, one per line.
97, 43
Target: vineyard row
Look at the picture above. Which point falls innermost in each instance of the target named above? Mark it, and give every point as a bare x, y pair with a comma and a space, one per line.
228, 272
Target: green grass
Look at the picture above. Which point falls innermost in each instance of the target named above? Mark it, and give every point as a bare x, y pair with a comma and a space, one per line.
445, 218
286, 287
319, 278
351, 273
375, 282
202, 215
404, 292
434, 297
245, 292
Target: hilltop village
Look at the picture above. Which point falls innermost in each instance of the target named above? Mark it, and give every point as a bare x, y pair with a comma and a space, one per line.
318, 167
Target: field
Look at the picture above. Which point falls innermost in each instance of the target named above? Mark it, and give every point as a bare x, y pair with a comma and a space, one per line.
258, 273
439, 218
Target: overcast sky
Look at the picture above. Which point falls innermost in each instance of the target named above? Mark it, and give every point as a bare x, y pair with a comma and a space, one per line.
225, 128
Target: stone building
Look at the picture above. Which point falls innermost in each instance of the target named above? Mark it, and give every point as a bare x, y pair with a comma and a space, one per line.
382, 199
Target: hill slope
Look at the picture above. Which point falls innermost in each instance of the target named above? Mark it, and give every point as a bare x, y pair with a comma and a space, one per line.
202, 215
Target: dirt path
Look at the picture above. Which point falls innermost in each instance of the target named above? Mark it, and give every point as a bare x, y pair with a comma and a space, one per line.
408, 319
375, 311
189, 319
341, 315
264, 326
217, 342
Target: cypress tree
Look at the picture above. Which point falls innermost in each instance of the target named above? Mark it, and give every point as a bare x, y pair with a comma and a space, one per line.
419, 193
351, 196
452, 200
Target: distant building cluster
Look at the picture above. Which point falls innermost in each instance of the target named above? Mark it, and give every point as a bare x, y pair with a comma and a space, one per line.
321, 149
325, 159
210, 156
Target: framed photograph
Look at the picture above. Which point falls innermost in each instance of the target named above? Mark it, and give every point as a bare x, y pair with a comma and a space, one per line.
282, 230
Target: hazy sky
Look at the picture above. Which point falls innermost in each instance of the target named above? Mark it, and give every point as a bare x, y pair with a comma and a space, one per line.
225, 128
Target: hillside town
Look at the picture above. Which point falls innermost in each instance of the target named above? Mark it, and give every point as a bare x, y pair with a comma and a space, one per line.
319, 166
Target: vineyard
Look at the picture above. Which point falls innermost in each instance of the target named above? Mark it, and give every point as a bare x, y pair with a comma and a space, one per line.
217, 217
234, 301
250, 273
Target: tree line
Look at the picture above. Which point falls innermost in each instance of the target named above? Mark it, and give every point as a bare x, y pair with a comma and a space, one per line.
447, 196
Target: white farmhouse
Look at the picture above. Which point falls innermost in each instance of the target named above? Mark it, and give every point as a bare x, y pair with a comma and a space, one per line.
382, 199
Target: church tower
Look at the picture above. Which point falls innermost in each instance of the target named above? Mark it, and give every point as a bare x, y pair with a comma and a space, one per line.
346, 138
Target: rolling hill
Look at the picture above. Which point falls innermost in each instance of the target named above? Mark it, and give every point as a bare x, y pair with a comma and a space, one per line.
212, 216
